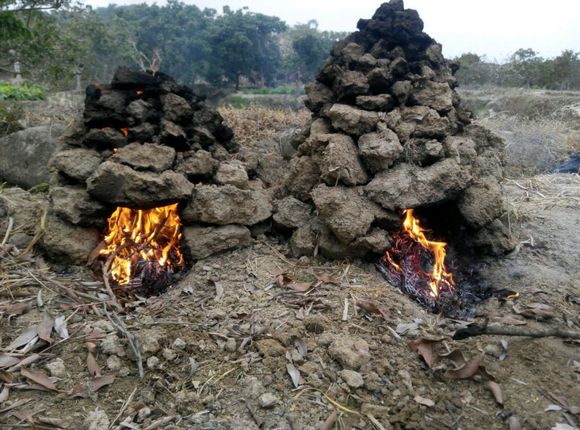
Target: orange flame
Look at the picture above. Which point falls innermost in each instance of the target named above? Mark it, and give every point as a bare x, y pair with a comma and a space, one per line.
439, 276
139, 92
134, 236
125, 131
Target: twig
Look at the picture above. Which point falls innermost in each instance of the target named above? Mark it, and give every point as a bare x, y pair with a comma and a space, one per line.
120, 326
376, 424
8, 231
345, 310
110, 290
129, 399
479, 330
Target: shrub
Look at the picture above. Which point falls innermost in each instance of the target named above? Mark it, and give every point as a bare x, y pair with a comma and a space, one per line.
24, 92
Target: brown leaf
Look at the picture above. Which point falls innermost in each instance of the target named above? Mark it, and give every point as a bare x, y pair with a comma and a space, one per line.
8, 361
294, 374
327, 425
44, 329
94, 335
424, 401
4, 394
38, 377
535, 310
94, 368
467, 371
25, 337
326, 278
496, 391
6, 377
283, 279
54, 422
91, 347
424, 347
300, 287
456, 356
100, 382
374, 309
80, 390
16, 308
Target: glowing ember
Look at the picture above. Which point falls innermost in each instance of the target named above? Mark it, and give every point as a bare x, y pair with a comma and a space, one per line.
139, 92
125, 131
143, 244
417, 264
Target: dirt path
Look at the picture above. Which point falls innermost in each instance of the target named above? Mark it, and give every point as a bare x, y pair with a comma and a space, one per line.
221, 349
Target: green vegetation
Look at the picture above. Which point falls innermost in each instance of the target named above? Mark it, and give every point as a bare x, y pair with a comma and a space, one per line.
21, 92
10, 114
525, 69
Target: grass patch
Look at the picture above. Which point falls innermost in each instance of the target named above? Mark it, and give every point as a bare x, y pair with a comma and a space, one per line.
21, 92
283, 90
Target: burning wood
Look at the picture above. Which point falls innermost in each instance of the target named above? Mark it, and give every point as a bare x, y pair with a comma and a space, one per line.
142, 246
417, 264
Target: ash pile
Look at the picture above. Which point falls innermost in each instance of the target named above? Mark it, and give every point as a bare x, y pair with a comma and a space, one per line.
145, 141
389, 133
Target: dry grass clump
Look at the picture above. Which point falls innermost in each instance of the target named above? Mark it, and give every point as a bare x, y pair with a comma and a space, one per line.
254, 123
533, 145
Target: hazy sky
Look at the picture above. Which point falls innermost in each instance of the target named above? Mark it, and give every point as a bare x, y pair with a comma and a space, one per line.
495, 28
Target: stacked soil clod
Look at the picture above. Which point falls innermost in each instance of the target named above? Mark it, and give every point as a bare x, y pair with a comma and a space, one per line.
146, 141
389, 133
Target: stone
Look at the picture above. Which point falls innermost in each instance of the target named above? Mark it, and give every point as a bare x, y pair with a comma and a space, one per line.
233, 173
96, 420
351, 84
141, 133
149, 340
77, 163
380, 102
291, 213
270, 348
74, 205
173, 135
113, 363
140, 110
65, 242
179, 344
352, 120
407, 186
105, 138
253, 387
303, 240
148, 156
345, 211
206, 241
417, 121
317, 96
230, 345
379, 151
143, 413
401, 90
380, 80
353, 379
494, 239
268, 400
424, 151
482, 202
228, 205
176, 108
377, 242
111, 344
121, 185
56, 368
320, 126
462, 148
436, 95
199, 165
153, 362
304, 175
169, 354
340, 162
126, 78
351, 353
330, 246
25, 155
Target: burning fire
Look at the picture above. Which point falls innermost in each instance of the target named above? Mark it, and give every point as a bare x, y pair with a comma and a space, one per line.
143, 243
405, 262
125, 131
139, 92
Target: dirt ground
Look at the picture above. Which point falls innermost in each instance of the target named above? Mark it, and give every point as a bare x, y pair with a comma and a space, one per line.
238, 344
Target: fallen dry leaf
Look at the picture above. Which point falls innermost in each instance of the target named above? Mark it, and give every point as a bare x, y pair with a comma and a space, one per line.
44, 329
495, 391
92, 365
55, 422
327, 425
424, 347
38, 377
8, 361
539, 311
294, 374
60, 327
403, 328
467, 371
79, 390
456, 356
6, 377
326, 278
424, 401
374, 309
16, 308
4, 394
26, 337
91, 347
283, 279
100, 382
300, 287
